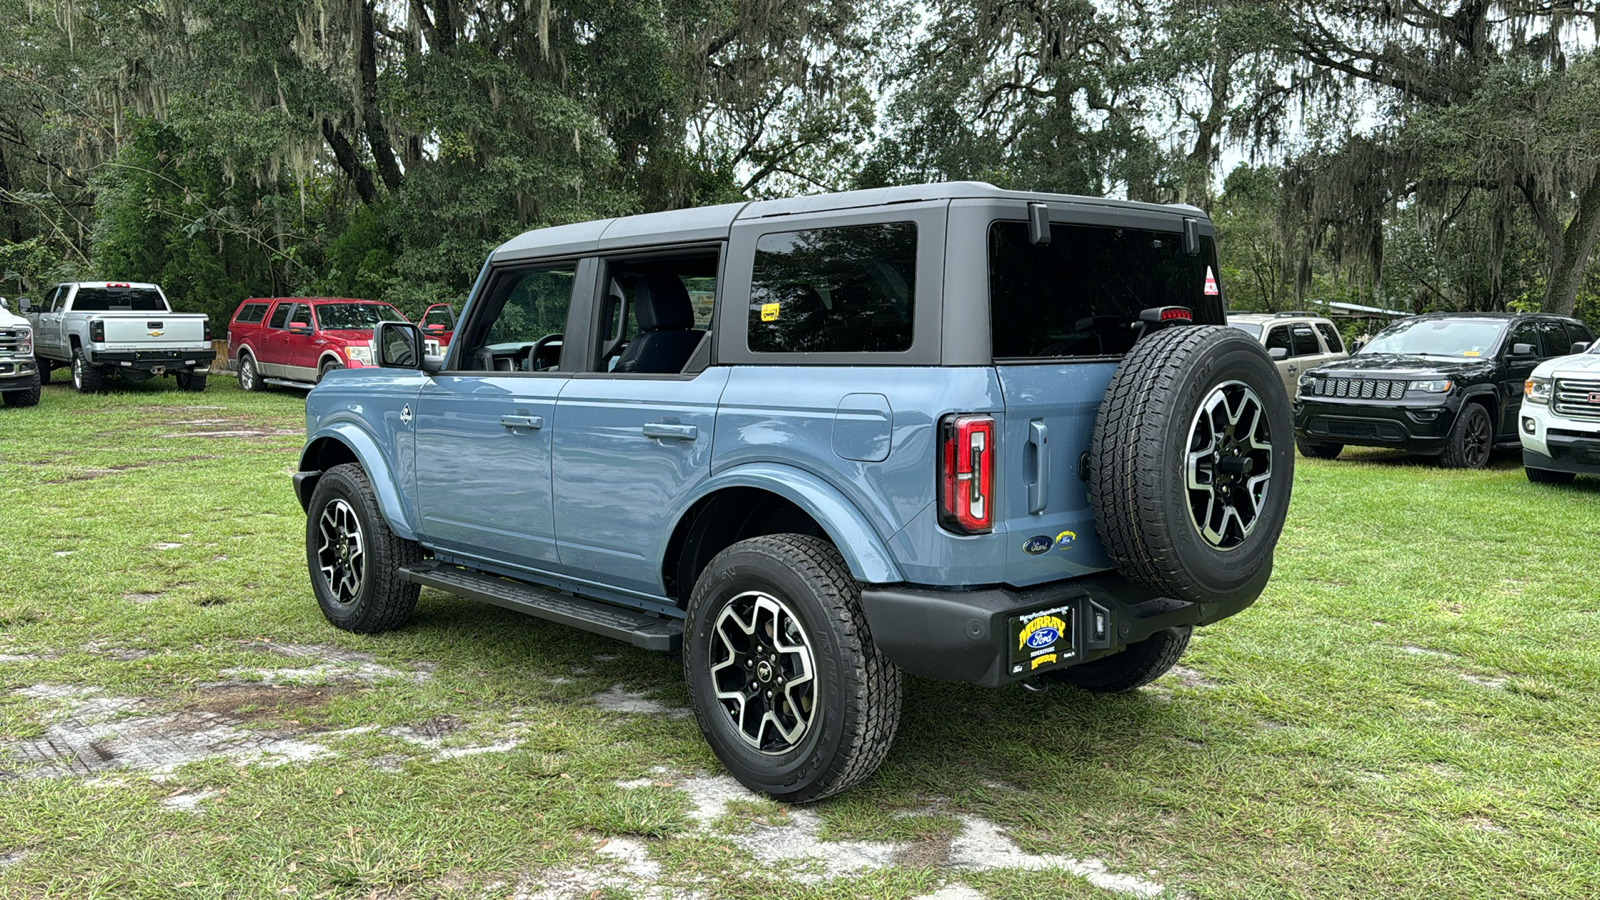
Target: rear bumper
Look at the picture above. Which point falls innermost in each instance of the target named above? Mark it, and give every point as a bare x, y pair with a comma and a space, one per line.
968, 635
1414, 428
151, 360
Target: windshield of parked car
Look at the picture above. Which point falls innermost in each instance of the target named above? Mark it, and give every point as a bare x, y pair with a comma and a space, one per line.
355, 316
1470, 338
1249, 328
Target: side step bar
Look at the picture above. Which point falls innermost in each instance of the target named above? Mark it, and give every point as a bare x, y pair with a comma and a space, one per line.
284, 382
638, 628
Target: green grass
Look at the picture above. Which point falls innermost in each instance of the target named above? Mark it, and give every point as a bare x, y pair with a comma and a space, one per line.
1410, 710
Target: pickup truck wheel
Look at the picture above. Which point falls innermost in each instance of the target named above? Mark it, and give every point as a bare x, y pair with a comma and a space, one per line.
1317, 449
1132, 668
249, 377
353, 557
190, 381
86, 379
1549, 476
1192, 464
1471, 439
327, 367
786, 683
45, 369
29, 397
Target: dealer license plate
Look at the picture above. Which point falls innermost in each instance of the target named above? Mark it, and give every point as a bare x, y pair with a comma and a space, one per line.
1043, 640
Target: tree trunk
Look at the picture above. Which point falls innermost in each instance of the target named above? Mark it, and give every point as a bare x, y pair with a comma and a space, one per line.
12, 210
345, 156
1571, 250
371, 119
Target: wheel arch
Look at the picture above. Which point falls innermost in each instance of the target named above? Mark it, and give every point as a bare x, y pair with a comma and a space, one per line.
330, 356
760, 499
342, 444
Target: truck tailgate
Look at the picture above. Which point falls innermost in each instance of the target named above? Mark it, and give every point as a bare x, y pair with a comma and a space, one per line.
153, 331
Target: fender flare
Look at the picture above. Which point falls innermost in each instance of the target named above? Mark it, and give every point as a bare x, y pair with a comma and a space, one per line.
333, 355
863, 550
372, 461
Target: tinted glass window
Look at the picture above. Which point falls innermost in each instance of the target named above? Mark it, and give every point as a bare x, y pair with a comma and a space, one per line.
1579, 333
834, 290
299, 314
251, 313
355, 316
438, 315
97, 299
1305, 341
1438, 337
526, 313
1278, 339
1330, 336
1524, 333
280, 316
1079, 294
1249, 328
1556, 341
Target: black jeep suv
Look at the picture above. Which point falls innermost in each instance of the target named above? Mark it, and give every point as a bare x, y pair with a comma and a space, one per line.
1446, 385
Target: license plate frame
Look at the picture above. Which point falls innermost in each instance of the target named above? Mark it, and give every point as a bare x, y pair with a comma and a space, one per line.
1043, 639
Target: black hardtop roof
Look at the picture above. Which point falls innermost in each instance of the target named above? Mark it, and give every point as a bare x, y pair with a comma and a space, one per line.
713, 222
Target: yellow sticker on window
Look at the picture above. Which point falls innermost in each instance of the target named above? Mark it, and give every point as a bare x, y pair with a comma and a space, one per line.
769, 312
1472, 353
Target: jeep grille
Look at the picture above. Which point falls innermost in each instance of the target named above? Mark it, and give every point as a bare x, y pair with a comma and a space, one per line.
1361, 388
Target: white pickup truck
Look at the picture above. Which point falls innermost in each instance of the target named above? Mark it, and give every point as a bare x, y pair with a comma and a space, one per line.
19, 378
1560, 418
126, 329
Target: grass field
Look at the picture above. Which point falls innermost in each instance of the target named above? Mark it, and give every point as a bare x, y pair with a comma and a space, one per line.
1410, 711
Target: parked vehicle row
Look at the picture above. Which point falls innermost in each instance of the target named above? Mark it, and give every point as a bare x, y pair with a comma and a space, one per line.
297, 341
1560, 427
124, 330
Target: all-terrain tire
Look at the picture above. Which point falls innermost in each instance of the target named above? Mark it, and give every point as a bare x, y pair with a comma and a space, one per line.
27, 397
86, 379
359, 589
1163, 426
190, 381
1318, 449
1548, 476
855, 706
1132, 668
249, 374
1471, 440
327, 367
45, 368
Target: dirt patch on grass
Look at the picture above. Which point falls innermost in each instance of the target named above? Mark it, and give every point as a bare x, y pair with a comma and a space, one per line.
270, 703
91, 473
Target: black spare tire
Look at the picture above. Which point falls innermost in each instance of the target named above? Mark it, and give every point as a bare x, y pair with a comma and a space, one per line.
1192, 464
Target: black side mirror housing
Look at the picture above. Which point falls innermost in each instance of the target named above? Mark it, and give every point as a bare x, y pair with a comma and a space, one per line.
397, 345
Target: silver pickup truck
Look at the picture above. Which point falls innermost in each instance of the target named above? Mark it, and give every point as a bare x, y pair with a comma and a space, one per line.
102, 329
19, 377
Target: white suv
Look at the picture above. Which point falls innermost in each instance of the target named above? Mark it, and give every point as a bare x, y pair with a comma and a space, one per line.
1560, 418
1296, 341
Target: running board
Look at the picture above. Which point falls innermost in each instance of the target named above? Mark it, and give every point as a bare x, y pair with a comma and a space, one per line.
638, 628
284, 382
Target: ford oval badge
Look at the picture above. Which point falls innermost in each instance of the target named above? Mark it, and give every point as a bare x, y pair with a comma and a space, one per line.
1043, 638
1038, 544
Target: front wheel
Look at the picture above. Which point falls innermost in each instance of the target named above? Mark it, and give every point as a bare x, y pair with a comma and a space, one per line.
1548, 476
327, 367
191, 381
1470, 441
786, 683
29, 397
45, 368
1317, 449
353, 557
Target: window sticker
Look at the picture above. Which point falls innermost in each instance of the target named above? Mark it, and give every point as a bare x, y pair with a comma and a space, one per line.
769, 312
1211, 283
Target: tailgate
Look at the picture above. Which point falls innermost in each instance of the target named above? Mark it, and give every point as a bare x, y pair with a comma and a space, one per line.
1047, 430
154, 331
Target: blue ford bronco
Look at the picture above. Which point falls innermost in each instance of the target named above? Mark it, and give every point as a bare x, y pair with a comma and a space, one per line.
816, 443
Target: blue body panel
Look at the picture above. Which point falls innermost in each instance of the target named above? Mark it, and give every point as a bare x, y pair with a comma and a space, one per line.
361, 408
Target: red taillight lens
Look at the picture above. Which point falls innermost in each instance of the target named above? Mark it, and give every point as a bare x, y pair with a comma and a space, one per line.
966, 473
97, 331
208, 330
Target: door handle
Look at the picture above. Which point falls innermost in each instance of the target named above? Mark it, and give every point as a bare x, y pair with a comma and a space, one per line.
1039, 444
533, 423
668, 431
1293, 368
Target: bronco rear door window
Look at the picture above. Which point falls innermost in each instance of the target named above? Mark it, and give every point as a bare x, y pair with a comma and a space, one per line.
849, 289
1079, 294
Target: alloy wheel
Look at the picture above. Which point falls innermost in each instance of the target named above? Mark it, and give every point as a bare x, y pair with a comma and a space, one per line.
764, 672
1229, 466
341, 553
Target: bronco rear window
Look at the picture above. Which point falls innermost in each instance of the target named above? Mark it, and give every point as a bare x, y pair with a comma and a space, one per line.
118, 300
849, 289
1079, 294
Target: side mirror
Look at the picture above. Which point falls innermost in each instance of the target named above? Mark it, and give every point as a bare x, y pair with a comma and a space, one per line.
436, 327
1278, 353
1521, 349
5, 304
1580, 346
299, 328
398, 345
24, 304
1355, 346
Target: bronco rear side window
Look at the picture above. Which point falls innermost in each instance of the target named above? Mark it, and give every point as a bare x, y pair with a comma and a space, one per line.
834, 290
1079, 294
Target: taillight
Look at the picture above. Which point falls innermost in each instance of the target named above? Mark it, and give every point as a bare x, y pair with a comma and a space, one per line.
966, 473
97, 331
208, 330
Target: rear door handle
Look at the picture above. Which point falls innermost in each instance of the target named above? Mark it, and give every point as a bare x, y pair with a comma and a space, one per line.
1293, 368
533, 423
669, 432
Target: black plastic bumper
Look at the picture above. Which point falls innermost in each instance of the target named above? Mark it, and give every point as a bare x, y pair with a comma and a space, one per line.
148, 360
1578, 455
1416, 429
968, 635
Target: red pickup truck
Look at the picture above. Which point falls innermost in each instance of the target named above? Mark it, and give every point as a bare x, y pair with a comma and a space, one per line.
296, 341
